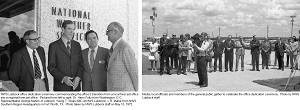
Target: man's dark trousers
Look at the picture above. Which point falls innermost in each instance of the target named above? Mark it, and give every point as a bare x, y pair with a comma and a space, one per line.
202, 71
164, 60
218, 57
228, 59
255, 61
280, 61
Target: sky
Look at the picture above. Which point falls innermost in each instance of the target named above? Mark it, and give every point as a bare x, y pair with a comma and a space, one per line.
234, 17
19, 24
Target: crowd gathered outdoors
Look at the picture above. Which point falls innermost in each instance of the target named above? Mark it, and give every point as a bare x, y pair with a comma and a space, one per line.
206, 54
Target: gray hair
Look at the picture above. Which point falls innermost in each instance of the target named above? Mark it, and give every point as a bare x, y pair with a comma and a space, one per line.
117, 26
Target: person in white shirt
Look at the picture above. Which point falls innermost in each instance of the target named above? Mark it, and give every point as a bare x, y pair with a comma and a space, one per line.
201, 48
154, 52
28, 67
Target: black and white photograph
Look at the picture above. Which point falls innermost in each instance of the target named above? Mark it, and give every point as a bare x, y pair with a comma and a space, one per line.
220, 45
69, 45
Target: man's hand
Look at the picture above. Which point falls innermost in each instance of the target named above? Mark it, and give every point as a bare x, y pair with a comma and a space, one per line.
76, 82
67, 81
195, 45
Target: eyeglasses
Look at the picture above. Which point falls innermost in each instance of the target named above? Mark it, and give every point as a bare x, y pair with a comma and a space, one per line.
35, 39
109, 31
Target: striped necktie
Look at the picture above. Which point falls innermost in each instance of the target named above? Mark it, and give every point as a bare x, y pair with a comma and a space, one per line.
37, 69
69, 46
92, 59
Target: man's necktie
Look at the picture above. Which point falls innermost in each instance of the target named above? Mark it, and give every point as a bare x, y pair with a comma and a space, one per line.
69, 46
37, 69
92, 59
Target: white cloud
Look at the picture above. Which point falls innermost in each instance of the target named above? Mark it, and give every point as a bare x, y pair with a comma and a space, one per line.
19, 24
236, 15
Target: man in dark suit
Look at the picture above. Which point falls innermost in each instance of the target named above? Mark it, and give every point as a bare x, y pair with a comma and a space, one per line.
280, 49
28, 69
95, 60
218, 51
229, 45
174, 51
254, 44
164, 54
65, 61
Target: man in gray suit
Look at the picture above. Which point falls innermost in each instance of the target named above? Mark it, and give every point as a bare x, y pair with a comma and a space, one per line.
240, 53
122, 66
95, 58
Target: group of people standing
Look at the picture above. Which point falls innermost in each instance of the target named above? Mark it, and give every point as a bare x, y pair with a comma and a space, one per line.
202, 50
97, 68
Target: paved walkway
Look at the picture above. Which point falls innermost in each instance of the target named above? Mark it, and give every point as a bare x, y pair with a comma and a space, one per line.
217, 81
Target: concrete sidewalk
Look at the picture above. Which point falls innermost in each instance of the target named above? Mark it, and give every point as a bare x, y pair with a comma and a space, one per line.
217, 81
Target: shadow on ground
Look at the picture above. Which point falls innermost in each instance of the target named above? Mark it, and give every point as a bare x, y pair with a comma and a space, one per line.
192, 83
279, 83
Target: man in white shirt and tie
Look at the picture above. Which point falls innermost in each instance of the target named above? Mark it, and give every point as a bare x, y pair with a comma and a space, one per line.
28, 69
95, 60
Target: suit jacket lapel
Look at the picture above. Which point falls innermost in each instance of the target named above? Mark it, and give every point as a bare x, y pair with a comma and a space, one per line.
28, 61
43, 60
63, 46
86, 59
115, 52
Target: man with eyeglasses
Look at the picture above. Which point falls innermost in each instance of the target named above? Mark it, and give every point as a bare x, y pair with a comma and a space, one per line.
122, 70
28, 68
65, 62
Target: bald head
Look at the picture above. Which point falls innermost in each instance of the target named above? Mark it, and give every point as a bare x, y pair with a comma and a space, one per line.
114, 31
117, 26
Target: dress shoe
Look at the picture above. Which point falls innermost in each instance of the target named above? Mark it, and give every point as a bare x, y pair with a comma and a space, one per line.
203, 85
184, 73
221, 71
160, 73
215, 70
267, 68
242, 69
169, 73
231, 70
225, 70
252, 70
257, 70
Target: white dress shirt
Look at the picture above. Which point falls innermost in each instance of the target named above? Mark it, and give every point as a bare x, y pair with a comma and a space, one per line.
30, 51
203, 48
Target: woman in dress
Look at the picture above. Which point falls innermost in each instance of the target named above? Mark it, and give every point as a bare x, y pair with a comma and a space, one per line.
183, 50
189, 45
153, 48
